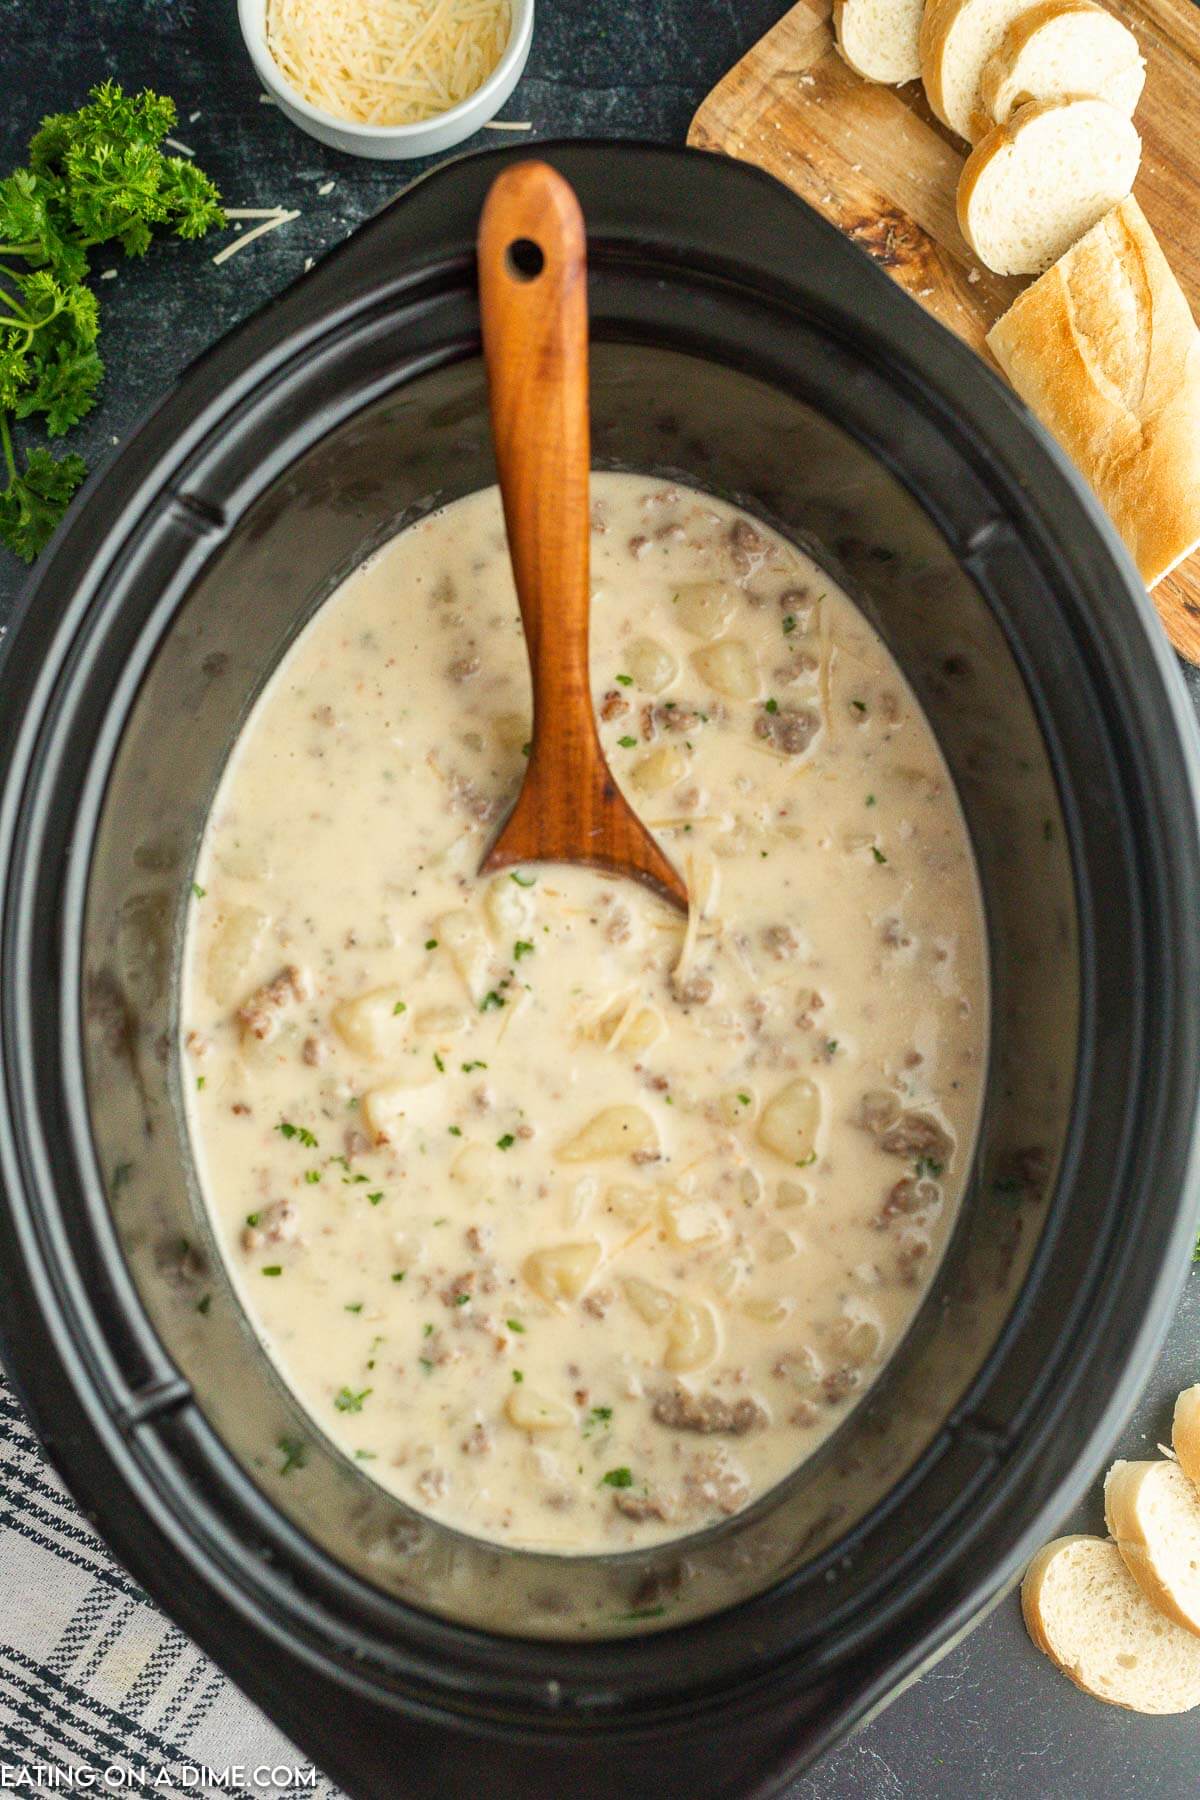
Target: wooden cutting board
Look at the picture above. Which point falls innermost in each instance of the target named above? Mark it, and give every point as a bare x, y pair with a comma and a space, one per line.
877, 163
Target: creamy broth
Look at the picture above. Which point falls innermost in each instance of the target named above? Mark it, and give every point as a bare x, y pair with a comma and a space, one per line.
579, 1225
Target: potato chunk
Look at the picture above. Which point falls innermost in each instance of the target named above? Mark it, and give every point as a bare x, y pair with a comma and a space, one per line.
385, 1110
691, 1224
561, 1273
232, 951
530, 1411
651, 664
509, 909
693, 1337
661, 769
373, 1025
465, 943
617, 1131
729, 667
790, 1122
705, 607
651, 1303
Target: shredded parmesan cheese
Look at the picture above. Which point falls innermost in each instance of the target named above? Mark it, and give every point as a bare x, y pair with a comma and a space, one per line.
387, 62
271, 223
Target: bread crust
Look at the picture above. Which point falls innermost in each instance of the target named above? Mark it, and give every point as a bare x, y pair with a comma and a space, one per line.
1185, 1432
1104, 349
1126, 1486
997, 69
936, 23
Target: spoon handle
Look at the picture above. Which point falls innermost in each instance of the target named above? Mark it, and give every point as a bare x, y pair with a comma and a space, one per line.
533, 301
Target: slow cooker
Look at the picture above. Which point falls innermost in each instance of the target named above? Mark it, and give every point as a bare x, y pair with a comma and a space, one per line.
742, 345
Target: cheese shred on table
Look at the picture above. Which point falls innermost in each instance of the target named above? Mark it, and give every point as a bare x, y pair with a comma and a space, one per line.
387, 62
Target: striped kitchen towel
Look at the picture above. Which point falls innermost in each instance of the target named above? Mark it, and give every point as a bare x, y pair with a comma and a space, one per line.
94, 1678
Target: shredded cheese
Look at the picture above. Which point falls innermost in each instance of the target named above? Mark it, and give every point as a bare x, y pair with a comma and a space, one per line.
271, 223
387, 62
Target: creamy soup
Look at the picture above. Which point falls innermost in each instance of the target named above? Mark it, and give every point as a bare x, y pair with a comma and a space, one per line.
577, 1223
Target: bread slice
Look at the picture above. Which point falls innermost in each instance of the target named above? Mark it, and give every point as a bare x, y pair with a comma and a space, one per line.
1103, 348
957, 38
1185, 1428
1053, 51
879, 38
1085, 1610
1152, 1512
1037, 184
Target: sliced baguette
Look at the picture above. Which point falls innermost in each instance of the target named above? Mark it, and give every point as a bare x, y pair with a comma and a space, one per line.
1185, 1427
1152, 1512
879, 38
1033, 187
1083, 1608
1103, 348
1053, 51
957, 38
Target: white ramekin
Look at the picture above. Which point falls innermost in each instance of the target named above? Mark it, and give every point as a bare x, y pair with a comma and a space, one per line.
390, 142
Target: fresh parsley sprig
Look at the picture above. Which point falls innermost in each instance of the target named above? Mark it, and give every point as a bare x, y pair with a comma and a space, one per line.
94, 177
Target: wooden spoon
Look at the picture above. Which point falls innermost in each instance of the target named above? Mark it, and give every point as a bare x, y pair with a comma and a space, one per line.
533, 301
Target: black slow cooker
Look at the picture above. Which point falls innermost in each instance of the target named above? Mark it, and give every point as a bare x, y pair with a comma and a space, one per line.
741, 345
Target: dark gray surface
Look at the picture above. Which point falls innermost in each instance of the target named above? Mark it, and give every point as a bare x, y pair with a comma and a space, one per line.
992, 1718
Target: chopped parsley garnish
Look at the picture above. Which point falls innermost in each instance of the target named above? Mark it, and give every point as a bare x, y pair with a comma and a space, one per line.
522, 880
399, 1274
253, 1218
204, 1302
806, 1162
201, 1083
431, 943
454, 1130
771, 706
354, 1306
927, 1168
427, 1331
506, 1142
870, 799
491, 1000
300, 1132
347, 1401
469, 1067
374, 1199
625, 680
518, 1375
859, 705
399, 1007
273, 1269
426, 1363
438, 1064
831, 1045
197, 891
627, 742
744, 1099
312, 1176
521, 948
514, 1325
789, 624
461, 1299
597, 1417
617, 1478
294, 1451
365, 1455
877, 853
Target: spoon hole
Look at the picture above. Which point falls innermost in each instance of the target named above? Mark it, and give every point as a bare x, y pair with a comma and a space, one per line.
525, 259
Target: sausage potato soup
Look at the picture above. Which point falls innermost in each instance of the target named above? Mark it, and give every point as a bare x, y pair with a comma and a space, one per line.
579, 1223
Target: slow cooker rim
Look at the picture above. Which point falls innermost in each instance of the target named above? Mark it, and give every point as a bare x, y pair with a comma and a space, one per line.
607, 150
